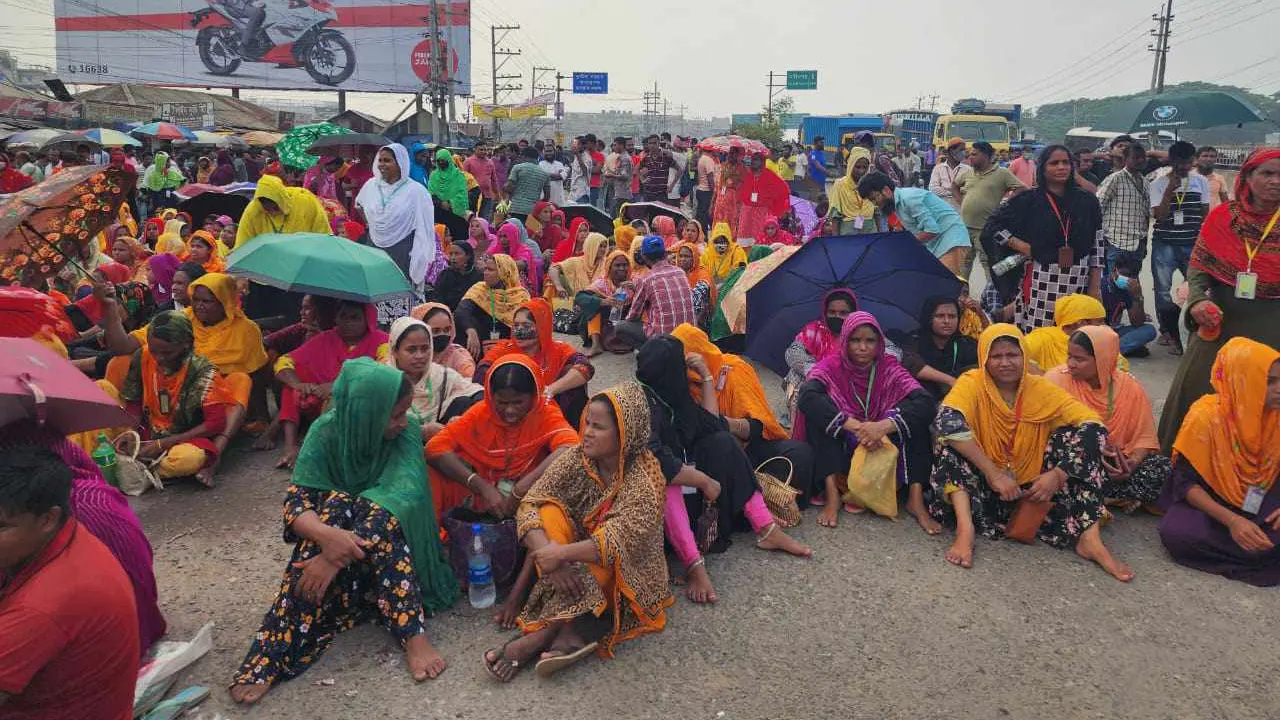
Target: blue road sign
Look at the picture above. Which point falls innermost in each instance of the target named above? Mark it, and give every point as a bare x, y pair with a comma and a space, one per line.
590, 83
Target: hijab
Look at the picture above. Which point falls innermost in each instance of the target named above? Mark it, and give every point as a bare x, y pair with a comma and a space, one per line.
163, 266
845, 199
439, 386
170, 241
741, 395
446, 184
552, 356
500, 303
1046, 347
817, 337
666, 227
320, 359
508, 243
661, 369
396, 211
235, 344
568, 247
582, 270
1221, 251
603, 284
1119, 400
721, 264
865, 394
781, 236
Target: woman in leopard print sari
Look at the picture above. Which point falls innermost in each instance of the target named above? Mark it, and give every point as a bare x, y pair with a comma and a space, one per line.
593, 524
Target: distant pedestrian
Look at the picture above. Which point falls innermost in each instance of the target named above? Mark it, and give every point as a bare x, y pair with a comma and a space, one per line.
1179, 202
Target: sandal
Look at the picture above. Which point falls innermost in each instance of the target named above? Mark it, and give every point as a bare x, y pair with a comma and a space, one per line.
819, 500
854, 509
549, 666
501, 652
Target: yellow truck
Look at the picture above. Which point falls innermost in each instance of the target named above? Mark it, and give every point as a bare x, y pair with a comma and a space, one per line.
972, 128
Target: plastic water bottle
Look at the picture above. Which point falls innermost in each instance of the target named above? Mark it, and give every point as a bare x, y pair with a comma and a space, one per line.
105, 456
480, 587
615, 313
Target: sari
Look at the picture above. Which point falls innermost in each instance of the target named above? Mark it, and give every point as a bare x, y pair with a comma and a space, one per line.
738, 389
1120, 400
322, 183
1233, 227
727, 206
698, 273
320, 359
493, 448
1046, 347
568, 247
454, 356
579, 271
762, 195
721, 264
439, 386
235, 344
553, 357
509, 243
500, 303
623, 515
846, 204
779, 235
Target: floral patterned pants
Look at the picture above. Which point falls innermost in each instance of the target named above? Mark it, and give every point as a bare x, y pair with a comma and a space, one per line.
1076, 507
1143, 484
296, 632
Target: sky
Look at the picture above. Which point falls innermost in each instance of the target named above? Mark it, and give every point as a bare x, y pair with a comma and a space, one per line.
713, 56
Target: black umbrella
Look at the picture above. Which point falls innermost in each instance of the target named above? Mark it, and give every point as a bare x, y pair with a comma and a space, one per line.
71, 139
596, 218
330, 144
647, 211
212, 203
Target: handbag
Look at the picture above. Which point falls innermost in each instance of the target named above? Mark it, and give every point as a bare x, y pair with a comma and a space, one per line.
873, 479
708, 530
499, 539
778, 494
134, 476
1026, 520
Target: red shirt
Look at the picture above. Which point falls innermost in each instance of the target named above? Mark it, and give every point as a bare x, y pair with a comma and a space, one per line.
597, 167
485, 173
664, 299
69, 634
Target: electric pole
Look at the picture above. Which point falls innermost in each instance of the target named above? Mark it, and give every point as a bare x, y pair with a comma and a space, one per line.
560, 106
774, 89
536, 86
436, 85
499, 80
1162, 32
651, 109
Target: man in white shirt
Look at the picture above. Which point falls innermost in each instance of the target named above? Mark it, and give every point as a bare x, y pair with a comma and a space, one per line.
951, 168
580, 173
556, 172
681, 158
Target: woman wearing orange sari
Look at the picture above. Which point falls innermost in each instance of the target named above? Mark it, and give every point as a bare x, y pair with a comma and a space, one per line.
728, 205
1221, 506
130, 253
593, 526
202, 249
689, 259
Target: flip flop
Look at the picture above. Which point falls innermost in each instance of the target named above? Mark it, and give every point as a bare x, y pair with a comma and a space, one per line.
818, 500
501, 652
549, 666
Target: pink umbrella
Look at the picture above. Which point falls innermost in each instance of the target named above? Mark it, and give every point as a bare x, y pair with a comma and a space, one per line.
37, 383
725, 143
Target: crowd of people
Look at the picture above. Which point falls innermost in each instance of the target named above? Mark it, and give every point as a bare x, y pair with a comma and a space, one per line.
1007, 415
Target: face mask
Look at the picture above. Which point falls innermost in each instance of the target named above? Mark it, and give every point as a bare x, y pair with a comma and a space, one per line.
440, 342
524, 333
1122, 282
835, 324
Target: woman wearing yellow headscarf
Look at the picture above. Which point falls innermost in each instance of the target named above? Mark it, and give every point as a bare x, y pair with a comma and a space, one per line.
854, 213
170, 241
1010, 436
488, 307
1047, 346
1221, 506
573, 275
722, 255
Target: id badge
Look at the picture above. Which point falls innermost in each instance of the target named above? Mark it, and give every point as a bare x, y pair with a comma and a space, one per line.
1253, 500
1066, 257
755, 197
1246, 285
858, 221
1178, 217
493, 334
163, 398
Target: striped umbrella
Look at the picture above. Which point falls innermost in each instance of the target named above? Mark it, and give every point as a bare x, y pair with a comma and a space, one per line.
163, 131
106, 137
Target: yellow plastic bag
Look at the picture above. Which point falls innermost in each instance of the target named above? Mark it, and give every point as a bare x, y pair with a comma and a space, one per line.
873, 479
182, 460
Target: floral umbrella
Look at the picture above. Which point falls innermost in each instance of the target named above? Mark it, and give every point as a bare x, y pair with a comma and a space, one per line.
725, 143
292, 148
43, 227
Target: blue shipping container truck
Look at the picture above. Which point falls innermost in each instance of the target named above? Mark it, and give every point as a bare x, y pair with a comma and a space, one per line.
831, 127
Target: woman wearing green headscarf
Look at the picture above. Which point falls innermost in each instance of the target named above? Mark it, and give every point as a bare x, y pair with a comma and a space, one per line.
447, 183
160, 180
366, 541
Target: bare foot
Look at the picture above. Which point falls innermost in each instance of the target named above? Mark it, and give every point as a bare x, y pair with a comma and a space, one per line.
425, 662
206, 477
960, 553
699, 588
1090, 547
926, 523
829, 516
286, 460
507, 614
776, 539
267, 440
248, 694
595, 349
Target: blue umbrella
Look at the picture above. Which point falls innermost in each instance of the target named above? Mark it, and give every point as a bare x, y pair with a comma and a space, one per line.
891, 273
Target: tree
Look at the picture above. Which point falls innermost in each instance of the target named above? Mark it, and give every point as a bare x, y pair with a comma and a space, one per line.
769, 129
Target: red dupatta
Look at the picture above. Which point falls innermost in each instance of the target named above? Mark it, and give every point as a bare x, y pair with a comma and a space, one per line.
769, 190
1235, 228
320, 359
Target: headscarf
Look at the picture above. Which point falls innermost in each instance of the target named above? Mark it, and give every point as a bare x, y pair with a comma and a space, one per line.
742, 395
162, 174
865, 394
159, 225
1047, 347
448, 184
225, 173
12, 179
440, 385
721, 265
320, 359
781, 236
215, 263
353, 229
625, 237
452, 284
581, 270
661, 369
345, 451
454, 356
235, 344
666, 227
163, 266
170, 241
765, 190
489, 236
1231, 437
500, 303
603, 284
845, 199
535, 268
960, 351
174, 327
1234, 226
508, 243
300, 211
551, 237
417, 173
1015, 436
815, 336
552, 355
1120, 401
567, 248
396, 211
322, 183
697, 273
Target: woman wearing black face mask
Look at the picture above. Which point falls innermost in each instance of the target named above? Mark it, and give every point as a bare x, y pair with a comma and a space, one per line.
446, 352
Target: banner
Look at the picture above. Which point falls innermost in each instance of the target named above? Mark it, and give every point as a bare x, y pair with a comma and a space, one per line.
537, 107
39, 109
195, 115
359, 45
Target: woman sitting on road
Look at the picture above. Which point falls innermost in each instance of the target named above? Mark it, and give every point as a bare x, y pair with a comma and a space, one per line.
722, 255
309, 372
598, 301
1221, 506
366, 543
593, 526
1047, 346
941, 352
1136, 471
860, 396
444, 351
486, 311
459, 275
575, 274
1011, 436
565, 371
688, 258
440, 394
815, 341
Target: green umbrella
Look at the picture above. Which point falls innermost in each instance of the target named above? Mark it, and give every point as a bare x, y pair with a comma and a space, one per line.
320, 265
1180, 111
292, 148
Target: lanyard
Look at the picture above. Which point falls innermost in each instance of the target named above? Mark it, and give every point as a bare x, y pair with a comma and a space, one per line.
1252, 251
866, 404
955, 352
1066, 226
274, 228
1178, 197
387, 198
493, 318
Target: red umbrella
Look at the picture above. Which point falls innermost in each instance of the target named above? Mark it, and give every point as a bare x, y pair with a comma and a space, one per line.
725, 143
37, 383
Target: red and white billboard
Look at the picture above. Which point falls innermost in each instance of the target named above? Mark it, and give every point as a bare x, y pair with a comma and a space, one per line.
360, 45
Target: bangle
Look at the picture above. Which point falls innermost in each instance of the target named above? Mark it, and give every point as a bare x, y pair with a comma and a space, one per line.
467, 484
517, 495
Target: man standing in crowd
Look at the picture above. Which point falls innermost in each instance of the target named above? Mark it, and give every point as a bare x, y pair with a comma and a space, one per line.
1118, 148
663, 298
908, 163
704, 191
482, 169
680, 161
1125, 198
1178, 202
68, 624
580, 172
817, 167
556, 172
1206, 159
526, 185
1023, 167
880, 160
502, 162
655, 172
617, 176
980, 193
945, 173
595, 148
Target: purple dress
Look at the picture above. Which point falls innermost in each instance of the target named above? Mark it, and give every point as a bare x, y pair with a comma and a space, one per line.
1196, 540
106, 513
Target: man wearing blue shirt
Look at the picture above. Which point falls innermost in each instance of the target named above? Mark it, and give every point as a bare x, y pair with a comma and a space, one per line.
818, 165
934, 222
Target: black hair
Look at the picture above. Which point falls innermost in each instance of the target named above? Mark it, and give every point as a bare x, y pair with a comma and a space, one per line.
530, 153
1182, 150
191, 270
1206, 148
603, 400
930, 307
513, 376
985, 148
1043, 162
1082, 341
874, 182
1128, 266
590, 137
348, 303
1119, 139
621, 140
819, 138
846, 295
1136, 150
651, 137
405, 334
665, 136
434, 312
33, 480
539, 144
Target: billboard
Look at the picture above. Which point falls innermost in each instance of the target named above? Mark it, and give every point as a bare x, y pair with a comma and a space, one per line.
359, 45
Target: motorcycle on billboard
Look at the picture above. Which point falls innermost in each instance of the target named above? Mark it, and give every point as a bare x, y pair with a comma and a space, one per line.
286, 33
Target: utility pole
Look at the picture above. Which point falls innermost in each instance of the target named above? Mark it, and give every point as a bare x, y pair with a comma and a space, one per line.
499, 80
560, 105
664, 126
774, 89
683, 107
1161, 48
535, 85
651, 109
436, 86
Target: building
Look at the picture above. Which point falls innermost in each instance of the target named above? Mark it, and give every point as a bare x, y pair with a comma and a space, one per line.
126, 103
356, 121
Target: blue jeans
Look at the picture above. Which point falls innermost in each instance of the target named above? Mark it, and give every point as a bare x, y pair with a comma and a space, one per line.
583, 200
595, 196
1165, 259
1133, 337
